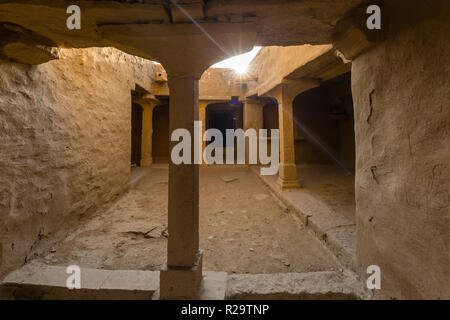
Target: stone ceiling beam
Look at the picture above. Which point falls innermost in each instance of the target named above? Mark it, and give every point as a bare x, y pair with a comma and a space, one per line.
47, 19
184, 11
286, 23
278, 22
183, 49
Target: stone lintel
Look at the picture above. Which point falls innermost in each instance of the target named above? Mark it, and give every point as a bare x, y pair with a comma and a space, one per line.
183, 12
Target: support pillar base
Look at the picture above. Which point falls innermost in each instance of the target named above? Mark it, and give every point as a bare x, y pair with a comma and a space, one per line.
178, 283
284, 184
146, 162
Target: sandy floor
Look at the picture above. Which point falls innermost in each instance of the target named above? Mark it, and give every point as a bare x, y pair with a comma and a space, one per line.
331, 185
243, 229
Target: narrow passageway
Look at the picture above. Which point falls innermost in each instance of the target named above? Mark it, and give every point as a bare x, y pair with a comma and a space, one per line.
243, 229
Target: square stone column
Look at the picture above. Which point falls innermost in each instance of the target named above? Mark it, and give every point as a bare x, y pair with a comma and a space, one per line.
181, 279
287, 172
147, 131
253, 119
185, 51
285, 94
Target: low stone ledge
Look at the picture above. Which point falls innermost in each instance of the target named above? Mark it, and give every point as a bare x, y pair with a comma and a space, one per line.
39, 281
326, 285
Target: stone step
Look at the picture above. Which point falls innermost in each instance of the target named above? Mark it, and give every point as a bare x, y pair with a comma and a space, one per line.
36, 281
40, 281
324, 285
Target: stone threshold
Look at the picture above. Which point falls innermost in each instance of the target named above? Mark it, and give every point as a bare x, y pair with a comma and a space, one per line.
36, 281
322, 285
337, 232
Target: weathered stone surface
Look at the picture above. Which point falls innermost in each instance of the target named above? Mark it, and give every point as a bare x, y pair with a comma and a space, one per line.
402, 127
184, 12
271, 70
217, 83
181, 283
336, 231
279, 22
65, 141
304, 286
37, 281
213, 286
284, 23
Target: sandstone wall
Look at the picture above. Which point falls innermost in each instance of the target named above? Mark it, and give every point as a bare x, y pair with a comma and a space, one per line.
402, 119
64, 140
219, 83
272, 64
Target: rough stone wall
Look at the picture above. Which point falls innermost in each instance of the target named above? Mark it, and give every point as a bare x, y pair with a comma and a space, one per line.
219, 83
64, 140
272, 64
402, 119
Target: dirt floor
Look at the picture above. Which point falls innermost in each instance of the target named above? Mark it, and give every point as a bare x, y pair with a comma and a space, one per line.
331, 185
243, 229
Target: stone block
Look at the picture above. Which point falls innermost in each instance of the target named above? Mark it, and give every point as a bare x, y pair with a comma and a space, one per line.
181, 283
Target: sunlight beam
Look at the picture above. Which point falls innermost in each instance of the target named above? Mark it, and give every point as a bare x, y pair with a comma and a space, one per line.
240, 62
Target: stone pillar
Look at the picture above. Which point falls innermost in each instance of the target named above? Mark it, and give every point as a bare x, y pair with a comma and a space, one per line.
253, 119
202, 117
285, 94
182, 277
147, 131
287, 174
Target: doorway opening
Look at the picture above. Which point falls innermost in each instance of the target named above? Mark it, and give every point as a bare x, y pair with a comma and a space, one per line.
160, 135
223, 116
136, 134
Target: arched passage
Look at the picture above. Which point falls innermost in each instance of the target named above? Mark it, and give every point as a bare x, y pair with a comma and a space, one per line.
323, 125
325, 148
223, 116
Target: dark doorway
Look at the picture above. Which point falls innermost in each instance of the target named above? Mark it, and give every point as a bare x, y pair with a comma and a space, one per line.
324, 124
136, 133
160, 137
222, 122
270, 117
224, 116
